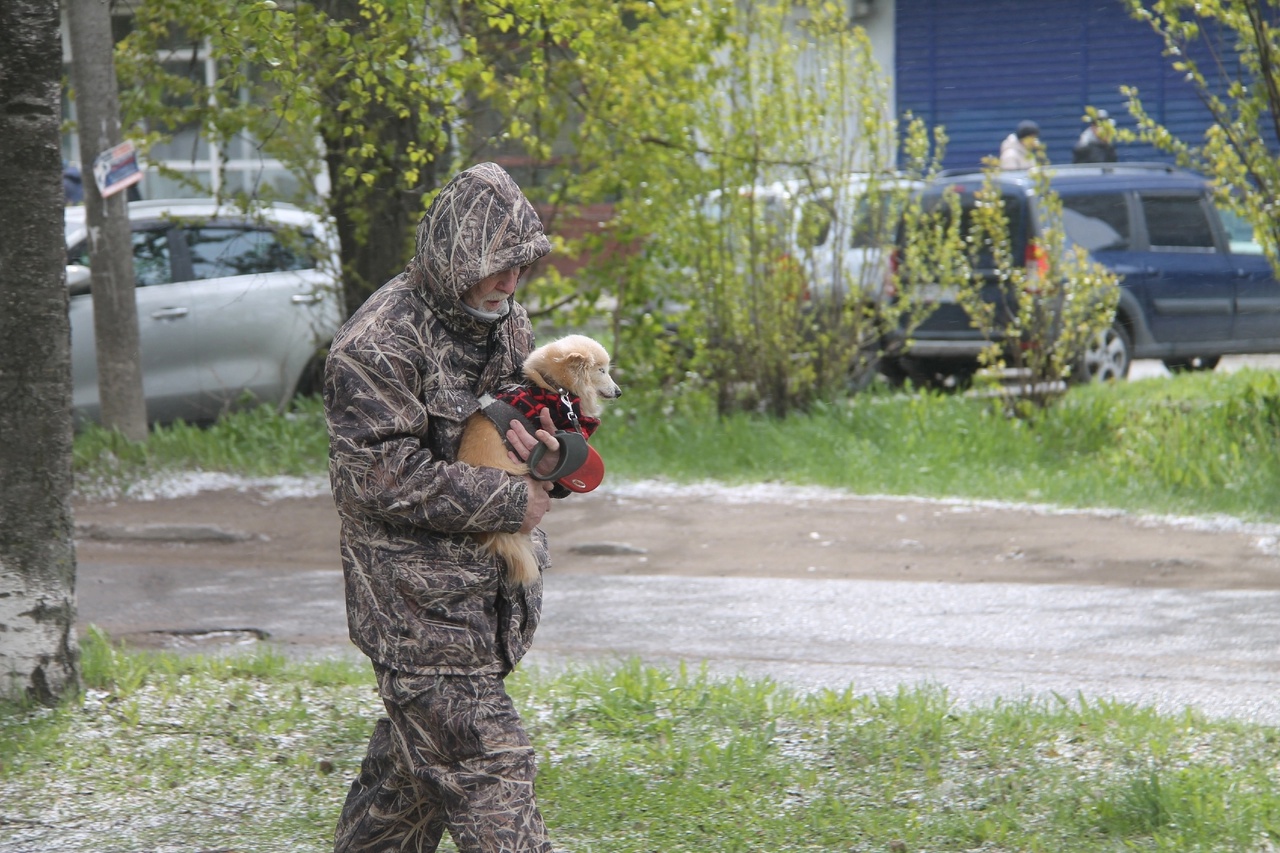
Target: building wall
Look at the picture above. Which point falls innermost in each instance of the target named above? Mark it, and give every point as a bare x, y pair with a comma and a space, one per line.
978, 67
877, 18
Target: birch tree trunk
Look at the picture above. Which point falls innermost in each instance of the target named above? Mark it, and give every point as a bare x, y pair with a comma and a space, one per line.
38, 654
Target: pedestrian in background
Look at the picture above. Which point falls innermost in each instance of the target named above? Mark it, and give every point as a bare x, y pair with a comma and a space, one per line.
72, 184
1020, 148
1095, 145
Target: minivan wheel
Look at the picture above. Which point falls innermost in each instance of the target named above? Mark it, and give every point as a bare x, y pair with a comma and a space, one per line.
311, 382
1107, 357
935, 374
948, 374
1202, 362
891, 368
862, 373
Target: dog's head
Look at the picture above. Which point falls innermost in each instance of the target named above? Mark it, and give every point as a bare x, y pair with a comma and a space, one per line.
577, 364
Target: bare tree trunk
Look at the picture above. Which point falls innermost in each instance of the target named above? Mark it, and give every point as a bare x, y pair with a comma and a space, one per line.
115, 309
38, 655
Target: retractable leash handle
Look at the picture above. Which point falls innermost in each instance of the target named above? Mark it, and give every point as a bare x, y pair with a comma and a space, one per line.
580, 470
573, 452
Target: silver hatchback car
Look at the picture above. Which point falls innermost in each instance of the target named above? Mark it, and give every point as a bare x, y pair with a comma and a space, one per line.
231, 308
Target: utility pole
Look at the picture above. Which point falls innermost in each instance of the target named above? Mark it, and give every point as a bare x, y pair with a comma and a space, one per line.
115, 307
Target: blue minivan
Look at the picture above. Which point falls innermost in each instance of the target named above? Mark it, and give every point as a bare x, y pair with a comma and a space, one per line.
1193, 284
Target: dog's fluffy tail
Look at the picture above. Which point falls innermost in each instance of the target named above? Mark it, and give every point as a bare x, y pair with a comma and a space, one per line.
516, 550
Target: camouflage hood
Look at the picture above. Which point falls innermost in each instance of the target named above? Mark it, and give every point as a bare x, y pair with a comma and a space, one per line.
478, 225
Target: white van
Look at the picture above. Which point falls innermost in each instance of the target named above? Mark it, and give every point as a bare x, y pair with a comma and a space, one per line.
844, 234
840, 234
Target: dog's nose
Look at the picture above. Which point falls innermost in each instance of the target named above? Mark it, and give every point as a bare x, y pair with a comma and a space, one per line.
617, 392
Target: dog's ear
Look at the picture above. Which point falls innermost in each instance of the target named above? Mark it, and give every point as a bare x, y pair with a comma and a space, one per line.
575, 362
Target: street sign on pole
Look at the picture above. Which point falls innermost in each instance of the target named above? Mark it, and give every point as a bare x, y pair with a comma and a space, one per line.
117, 169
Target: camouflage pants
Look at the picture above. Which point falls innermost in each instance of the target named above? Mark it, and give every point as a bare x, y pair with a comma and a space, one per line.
452, 755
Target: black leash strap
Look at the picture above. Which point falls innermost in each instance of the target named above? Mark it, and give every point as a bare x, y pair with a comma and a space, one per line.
503, 413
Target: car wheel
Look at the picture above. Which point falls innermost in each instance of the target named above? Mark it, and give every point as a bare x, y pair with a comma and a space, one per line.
1107, 358
939, 374
892, 370
311, 382
862, 375
958, 375
1202, 362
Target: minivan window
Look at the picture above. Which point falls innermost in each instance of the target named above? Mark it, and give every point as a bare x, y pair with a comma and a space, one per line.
873, 221
228, 251
1097, 223
869, 225
815, 224
150, 257
1014, 208
1177, 222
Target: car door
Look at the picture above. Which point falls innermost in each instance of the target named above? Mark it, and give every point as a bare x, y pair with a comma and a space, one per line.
1191, 291
845, 235
260, 310
165, 325
1257, 315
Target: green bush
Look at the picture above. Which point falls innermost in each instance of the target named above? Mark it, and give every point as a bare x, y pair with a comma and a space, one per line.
1192, 444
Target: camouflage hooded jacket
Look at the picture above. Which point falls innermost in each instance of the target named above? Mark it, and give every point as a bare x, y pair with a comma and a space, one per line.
403, 375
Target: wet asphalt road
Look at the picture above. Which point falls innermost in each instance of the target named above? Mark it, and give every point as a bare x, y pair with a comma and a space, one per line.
1215, 651
1212, 650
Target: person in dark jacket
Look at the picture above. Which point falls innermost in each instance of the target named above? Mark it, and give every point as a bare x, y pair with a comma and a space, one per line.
431, 609
1095, 145
72, 184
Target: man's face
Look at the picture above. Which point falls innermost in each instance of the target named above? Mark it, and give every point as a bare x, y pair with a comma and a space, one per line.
489, 293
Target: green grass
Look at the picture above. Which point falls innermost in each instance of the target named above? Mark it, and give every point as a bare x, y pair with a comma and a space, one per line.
182, 753
1194, 444
252, 442
1198, 444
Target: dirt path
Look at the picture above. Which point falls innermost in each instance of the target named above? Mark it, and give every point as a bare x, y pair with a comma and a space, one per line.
775, 533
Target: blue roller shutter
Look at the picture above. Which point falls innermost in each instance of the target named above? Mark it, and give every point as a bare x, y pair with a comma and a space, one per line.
978, 68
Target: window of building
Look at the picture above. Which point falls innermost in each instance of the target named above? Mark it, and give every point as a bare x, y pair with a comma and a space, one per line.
206, 166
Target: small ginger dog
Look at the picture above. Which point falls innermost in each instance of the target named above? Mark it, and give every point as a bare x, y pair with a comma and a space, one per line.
570, 372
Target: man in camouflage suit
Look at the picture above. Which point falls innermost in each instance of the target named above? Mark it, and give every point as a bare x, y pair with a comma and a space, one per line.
430, 608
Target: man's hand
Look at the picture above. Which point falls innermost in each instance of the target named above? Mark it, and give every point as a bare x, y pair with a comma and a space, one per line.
539, 490
539, 503
524, 443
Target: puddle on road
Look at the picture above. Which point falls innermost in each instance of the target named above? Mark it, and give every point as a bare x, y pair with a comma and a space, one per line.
187, 639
